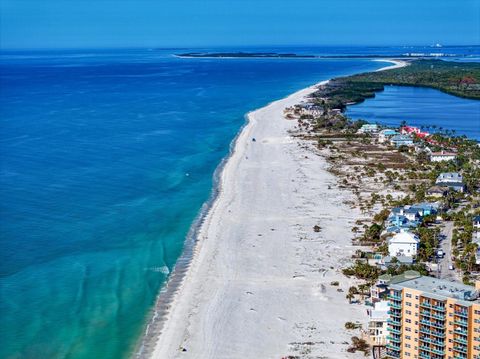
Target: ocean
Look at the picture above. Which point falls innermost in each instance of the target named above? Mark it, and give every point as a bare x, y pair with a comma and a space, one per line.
107, 157
106, 160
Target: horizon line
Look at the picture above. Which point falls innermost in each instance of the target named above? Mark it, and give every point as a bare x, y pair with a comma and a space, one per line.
226, 46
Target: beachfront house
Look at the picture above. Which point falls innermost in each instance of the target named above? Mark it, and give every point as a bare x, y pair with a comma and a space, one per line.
410, 130
379, 290
401, 140
442, 156
403, 244
378, 323
368, 128
452, 180
397, 211
396, 219
425, 208
437, 191
476, 223
411, 214
386, 134
389, 261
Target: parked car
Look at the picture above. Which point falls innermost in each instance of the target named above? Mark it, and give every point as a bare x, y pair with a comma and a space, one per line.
451, 267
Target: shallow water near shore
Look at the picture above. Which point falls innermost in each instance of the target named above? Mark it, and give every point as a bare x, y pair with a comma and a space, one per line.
106, 160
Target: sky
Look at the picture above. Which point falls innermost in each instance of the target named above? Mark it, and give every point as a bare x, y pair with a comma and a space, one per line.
183, 23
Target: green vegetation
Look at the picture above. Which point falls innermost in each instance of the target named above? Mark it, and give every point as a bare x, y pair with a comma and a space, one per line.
351, 325
455, 78
359, 345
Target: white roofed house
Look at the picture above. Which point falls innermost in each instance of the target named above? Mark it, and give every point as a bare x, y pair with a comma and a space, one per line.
403, 244
442, 156
453, 180
386, 134
437, 191
476, 235
368, 128
401, 140
476, 223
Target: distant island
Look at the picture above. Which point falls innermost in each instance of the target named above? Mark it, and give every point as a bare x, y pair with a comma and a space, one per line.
306, 56
244, 54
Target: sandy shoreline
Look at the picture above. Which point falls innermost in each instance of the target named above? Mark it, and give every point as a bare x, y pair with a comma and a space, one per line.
258, 284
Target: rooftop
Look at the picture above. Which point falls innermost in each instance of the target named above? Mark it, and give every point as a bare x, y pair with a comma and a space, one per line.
441, 289
404, 237
443, 153
380, 311
400, 138
438, 189
407, 275
450, 176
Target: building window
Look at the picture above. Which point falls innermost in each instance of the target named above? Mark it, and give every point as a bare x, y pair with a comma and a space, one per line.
408, 295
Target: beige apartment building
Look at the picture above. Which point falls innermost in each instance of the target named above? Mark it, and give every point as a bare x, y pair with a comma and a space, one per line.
432, 318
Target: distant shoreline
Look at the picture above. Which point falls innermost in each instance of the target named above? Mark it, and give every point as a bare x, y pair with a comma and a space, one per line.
270, 55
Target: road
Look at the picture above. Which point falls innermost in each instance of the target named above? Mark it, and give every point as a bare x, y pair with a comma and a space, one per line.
446, 245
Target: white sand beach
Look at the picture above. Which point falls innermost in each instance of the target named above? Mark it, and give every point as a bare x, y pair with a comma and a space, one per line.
259, 282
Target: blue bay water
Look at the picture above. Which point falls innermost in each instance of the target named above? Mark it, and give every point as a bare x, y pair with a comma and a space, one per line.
106, 160
421, 107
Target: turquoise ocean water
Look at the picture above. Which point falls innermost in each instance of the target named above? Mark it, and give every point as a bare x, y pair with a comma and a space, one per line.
106, 160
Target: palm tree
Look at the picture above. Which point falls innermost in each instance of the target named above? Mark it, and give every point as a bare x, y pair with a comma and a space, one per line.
363, 287
349, 296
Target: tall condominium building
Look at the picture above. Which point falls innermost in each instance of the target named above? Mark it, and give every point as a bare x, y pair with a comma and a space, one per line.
434, 319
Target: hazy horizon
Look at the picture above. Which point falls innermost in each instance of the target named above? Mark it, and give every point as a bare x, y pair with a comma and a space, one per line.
56, 24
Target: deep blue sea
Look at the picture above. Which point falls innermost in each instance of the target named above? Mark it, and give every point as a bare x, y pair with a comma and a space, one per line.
106, 159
